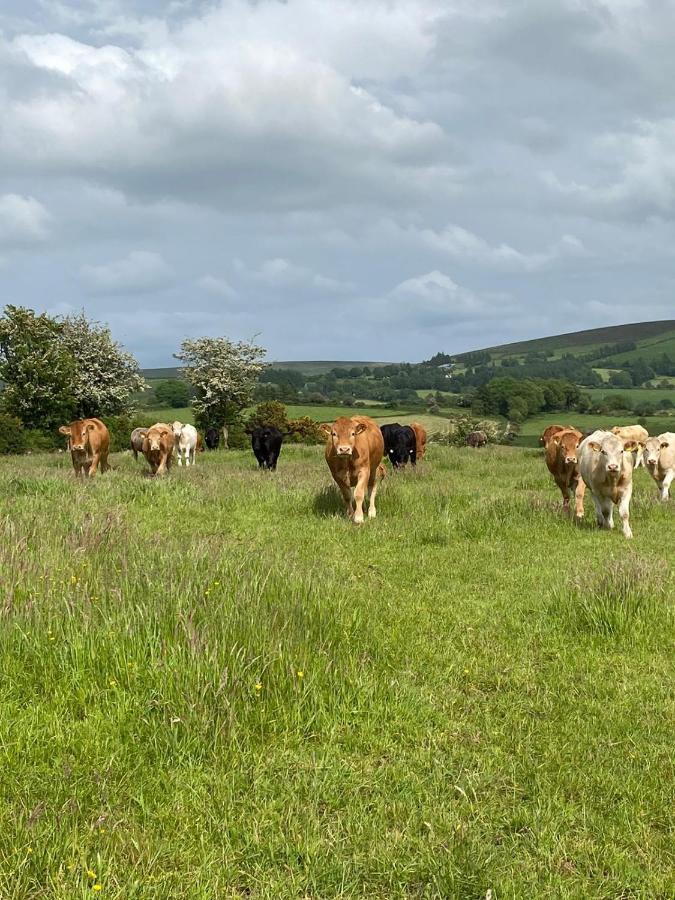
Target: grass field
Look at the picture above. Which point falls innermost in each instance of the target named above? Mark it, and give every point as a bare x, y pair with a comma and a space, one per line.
215, 687
532, 428
646, 395
319, 413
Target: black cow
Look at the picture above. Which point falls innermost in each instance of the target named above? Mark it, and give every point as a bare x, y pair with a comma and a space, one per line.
212, 438
400, 444
266, 442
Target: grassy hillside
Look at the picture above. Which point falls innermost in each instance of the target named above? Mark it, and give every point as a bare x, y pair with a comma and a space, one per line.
215, 686
311, 367
576, 342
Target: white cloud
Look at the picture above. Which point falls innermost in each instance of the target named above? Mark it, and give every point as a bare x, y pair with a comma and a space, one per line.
434, 298
23, 220
142, 271
281, 273
218, 286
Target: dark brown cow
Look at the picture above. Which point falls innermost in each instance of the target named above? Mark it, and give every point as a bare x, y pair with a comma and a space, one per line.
476, 439
420, 439
158, 446
89, 444
354, 451
562, 463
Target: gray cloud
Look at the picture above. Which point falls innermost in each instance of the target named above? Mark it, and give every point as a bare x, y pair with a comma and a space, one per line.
443, 174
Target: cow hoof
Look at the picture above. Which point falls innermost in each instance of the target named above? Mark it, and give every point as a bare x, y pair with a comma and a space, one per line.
372, 514
358, 520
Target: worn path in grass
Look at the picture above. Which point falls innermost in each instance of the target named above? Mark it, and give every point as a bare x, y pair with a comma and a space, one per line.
215, 686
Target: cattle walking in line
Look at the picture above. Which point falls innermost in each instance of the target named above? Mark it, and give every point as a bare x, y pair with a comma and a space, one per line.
476, 439
633, 433
266, 441
400, 444
659, 460
136, 441
186, 440
158, 447
89, 444
606, 466
354, 451
212, 438
420, 439
562, 463
549, 432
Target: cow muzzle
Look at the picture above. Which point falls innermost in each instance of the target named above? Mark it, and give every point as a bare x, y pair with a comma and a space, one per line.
570, 460
344, 451
613, 468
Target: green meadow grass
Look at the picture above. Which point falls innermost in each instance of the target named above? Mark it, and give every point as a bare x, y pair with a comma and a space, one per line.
214, 686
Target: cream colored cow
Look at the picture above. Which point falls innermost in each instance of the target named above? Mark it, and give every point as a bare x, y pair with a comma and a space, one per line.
606, 466
659, 460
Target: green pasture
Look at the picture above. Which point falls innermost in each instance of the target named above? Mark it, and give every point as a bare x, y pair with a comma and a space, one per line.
214, 686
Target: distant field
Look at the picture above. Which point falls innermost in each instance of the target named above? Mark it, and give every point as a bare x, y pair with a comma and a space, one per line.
648, 351
321, 366
214, 686
532, 428
651, 395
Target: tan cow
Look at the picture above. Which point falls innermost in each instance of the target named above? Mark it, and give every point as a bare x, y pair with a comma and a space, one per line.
136, 441
89, 444
659, 460
633, 433
354, 451
548, 433
420, 439
561, 459
158, 446
606, 465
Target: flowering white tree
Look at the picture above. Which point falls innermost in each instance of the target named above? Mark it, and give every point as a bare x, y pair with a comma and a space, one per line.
223, 374
105, 375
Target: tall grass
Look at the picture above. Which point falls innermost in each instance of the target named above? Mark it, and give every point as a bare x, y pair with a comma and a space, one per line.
215, 686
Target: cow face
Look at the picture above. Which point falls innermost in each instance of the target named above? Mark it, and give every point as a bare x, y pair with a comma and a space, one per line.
568, 444
652, 451
611, 450
155, 437
342, 434
78, 434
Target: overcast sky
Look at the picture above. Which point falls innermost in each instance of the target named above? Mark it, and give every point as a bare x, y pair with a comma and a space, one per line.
345, 179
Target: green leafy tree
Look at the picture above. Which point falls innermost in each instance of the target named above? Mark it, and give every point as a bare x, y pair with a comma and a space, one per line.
105, 376
173, 392
223, 375
37, 369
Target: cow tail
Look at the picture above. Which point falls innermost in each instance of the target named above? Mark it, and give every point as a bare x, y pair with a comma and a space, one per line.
381, 471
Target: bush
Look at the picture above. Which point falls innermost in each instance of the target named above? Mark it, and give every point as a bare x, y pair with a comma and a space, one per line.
12, 435
271, 413
460, 426
305, 431
173, 392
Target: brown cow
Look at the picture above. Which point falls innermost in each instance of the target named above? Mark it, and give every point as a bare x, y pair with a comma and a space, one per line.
561, 459
354, 452
548, 433
158, 445
420, 439
89, 444
476, 439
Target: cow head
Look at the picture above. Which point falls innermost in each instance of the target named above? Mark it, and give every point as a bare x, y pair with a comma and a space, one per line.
78, 434
652, 451
611, 450
567, 442
342, 434
155, 437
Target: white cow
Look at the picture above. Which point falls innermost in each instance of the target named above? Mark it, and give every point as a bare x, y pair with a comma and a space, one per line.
185, 442
606, 466
633, 433
659, 459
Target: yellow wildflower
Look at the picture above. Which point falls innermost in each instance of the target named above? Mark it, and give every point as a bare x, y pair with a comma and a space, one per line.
301, 674
258, 686
97, 887
91, 873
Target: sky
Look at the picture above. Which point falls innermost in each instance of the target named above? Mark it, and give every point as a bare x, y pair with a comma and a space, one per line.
339, 179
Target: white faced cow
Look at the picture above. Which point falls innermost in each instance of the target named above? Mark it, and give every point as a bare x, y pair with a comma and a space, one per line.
606, 466
659, 460
185, 437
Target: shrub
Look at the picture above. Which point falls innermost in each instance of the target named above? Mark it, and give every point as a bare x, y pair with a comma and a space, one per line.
460, 426
305, 431
271, 413
12, 435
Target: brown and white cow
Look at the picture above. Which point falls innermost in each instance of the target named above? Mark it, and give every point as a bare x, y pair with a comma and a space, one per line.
89, 444
606, 465
158, 446
476, 439
633, 433
420, 439
354, 451
659, 460
562, 463
548, 433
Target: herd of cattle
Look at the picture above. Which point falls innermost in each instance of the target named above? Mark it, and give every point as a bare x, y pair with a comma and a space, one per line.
602, 461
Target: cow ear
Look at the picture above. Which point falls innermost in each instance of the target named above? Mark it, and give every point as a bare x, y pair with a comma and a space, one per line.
64, 429
326, 428
630, 445
360, 428
664, 444
594, 446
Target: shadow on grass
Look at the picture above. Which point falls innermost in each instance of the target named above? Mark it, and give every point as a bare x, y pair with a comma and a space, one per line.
328, 503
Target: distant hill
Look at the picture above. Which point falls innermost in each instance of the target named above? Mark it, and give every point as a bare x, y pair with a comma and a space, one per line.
652, 340
310, 366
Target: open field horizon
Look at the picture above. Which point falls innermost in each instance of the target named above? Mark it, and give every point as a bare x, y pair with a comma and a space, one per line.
215, 685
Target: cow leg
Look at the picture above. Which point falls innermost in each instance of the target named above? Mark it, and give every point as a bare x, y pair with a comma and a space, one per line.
372, 493
346, 492
359, 497
607, 512
624, 511
135, 452
665, 484
104, 462
599, 512
94, 464
579, 492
